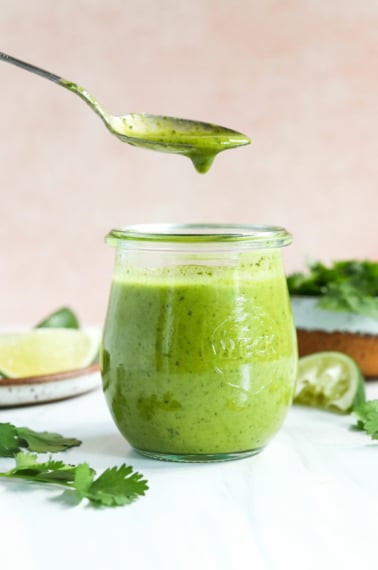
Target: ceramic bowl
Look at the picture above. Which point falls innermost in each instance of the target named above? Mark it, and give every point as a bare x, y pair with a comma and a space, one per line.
48, 388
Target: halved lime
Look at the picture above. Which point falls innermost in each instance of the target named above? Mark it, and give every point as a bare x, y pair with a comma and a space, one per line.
329, 380
47, 351
61, 318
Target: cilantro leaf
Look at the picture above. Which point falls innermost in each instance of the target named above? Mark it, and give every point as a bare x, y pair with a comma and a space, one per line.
347, 297
367, 415
84, 476
350, 286
115, 487
45, 442
13, 438
8, 440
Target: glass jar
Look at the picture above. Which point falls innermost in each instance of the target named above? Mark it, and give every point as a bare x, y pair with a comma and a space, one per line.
199, 350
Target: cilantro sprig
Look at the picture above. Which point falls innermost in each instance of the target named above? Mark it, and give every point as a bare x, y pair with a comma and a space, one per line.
350, 286
116, 486
367, 416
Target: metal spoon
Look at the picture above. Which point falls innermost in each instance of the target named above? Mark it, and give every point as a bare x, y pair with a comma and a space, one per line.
199, 141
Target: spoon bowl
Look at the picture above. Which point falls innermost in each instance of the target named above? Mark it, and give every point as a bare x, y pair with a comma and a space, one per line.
197, 140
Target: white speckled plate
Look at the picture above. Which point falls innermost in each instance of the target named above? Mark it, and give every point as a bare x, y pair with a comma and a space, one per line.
39, 389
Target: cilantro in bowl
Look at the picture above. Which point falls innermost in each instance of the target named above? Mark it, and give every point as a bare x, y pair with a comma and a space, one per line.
350, 286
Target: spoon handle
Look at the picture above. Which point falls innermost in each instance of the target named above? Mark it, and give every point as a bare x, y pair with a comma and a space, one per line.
70, 85
31, 68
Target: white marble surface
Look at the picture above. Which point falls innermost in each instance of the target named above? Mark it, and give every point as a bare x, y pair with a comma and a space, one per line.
309, 501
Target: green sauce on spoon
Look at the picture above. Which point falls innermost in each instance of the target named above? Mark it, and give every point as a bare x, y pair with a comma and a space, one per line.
197, 140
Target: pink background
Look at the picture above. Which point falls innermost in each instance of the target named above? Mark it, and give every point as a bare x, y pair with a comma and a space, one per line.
299, 77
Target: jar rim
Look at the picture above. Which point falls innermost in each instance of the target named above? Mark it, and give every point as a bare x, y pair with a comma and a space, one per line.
252, 236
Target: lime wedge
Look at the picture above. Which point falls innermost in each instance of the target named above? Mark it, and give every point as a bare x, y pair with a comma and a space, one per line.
329, 380
61, 318
47, 351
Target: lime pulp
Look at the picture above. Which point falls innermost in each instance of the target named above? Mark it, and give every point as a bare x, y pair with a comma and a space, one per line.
329, 380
